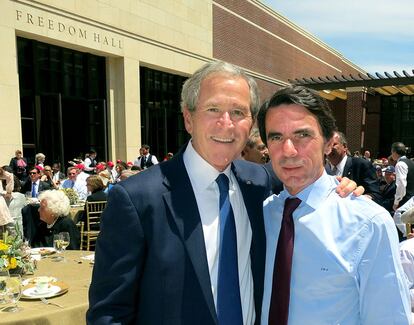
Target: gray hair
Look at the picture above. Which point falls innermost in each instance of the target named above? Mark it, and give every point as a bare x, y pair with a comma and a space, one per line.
254, 135
342, 138
57, 202
191, 87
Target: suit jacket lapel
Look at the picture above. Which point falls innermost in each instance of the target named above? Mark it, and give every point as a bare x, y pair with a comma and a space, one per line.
184, 210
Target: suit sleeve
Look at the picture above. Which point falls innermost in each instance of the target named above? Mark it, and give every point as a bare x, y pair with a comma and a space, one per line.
370, 182
119, 257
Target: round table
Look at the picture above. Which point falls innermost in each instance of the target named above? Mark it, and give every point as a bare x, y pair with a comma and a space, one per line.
73, 271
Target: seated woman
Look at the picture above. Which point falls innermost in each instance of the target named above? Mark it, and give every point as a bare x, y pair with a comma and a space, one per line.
54, 210
96, 187
48, 177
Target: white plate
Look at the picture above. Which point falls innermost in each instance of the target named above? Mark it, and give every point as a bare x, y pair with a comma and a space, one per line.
32, 292
34, 280
44, 250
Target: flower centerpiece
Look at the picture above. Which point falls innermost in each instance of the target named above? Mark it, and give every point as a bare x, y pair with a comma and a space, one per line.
71, 194
15, 254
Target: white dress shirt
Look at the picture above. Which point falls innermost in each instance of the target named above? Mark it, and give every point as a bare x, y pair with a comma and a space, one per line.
401, 172
407, 261
154, 160
346, 266
340, 167
202, 176
397, 215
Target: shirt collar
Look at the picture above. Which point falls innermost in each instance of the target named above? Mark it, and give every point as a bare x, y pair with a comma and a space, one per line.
316, 193
340, 167
201, 173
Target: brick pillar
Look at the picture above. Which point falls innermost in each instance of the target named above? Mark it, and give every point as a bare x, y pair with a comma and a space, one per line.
355, 118
373, 125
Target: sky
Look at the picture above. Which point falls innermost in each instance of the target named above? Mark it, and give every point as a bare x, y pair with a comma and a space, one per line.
376, 35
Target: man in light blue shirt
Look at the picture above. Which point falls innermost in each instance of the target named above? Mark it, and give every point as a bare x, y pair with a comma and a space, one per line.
345, 265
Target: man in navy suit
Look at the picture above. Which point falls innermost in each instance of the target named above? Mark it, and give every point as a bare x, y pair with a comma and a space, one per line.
157, 256
358, 169
34, 185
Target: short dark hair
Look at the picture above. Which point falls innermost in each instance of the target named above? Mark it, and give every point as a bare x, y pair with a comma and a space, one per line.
399, 148
37, 169
302, 96
145, 146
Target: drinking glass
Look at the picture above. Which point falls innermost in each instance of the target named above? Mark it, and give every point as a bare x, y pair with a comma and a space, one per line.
65, 240
57, 244
14, 292
4, 275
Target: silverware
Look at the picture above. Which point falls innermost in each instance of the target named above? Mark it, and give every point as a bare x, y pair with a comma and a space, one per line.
47, 302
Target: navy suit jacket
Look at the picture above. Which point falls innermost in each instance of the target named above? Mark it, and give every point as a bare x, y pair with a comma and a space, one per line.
27, 186
151, 263
388, 194
362, 172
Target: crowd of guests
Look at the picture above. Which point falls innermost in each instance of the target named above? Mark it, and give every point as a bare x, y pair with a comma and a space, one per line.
30, 198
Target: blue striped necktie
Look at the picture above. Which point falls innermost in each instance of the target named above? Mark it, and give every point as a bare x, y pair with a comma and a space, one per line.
229, 311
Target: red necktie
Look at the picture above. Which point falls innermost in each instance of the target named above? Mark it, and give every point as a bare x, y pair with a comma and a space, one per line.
279, 303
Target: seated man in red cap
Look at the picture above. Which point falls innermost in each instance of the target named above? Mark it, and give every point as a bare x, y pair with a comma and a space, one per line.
110, 168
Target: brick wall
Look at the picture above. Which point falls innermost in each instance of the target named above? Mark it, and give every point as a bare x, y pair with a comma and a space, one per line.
338, 107
372, 125
353, 127
250, 46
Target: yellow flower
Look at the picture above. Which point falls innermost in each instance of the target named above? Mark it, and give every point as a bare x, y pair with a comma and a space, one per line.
12, 263
3, 246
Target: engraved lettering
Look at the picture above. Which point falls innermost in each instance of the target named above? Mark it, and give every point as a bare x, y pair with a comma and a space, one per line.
72, 30
29, 19
82, 33
61, 27
40, 21
19, 14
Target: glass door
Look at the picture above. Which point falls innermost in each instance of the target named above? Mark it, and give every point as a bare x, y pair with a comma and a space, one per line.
49, 127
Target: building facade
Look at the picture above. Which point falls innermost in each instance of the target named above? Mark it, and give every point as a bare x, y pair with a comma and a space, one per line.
107, 75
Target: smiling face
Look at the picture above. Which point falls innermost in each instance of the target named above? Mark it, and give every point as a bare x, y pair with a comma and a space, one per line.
221, 123
34, 175
296, 146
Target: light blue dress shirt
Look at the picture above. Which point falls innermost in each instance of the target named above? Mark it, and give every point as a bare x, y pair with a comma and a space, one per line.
346, 267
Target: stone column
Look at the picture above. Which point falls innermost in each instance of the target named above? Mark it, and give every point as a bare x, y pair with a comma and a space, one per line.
10, 122
124, 108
